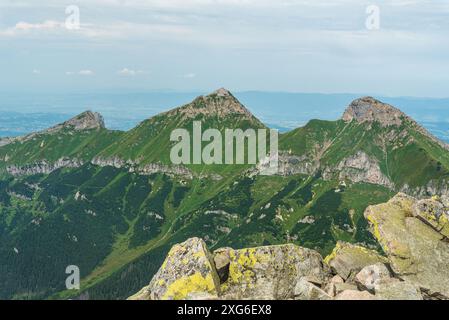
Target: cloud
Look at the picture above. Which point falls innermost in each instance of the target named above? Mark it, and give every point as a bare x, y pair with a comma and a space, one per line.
35, 71
25, 27
81, 73
129, 72
48, 24
189, 75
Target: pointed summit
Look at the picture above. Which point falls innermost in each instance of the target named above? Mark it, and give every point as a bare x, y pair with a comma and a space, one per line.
222, 92
220, 103
87, 120
369, 109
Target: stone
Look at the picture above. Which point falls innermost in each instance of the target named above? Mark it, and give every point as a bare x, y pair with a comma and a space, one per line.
305, 290
271, 272
393, 289
340, 287
371, 275
187, 271
222, 261
347, 259
355, 295
330, 287
417, 252
434, 213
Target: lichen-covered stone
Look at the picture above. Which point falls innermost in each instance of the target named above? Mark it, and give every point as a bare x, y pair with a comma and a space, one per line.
371, 275
271, 272
434, 213
348, 259
187, 271
418, 253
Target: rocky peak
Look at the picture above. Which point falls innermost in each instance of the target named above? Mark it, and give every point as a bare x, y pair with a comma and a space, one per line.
87, 120
222, 92
368, 109
219, 103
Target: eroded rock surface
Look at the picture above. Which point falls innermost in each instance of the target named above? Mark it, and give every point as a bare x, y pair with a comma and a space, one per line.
409, 234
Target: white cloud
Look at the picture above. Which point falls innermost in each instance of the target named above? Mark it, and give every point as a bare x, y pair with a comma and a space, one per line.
35, 71
81, 73
129, 72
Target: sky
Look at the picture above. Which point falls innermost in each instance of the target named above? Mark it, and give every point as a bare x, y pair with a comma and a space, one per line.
341, 46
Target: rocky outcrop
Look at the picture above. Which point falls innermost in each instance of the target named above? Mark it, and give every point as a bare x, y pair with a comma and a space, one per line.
368, 109
413, 234
271, 272
359, 168
189, 270
43, 167
146, 169
220, 103
87, 120
347, 260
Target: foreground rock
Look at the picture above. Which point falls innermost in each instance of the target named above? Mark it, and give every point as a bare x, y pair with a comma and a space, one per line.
347, 259
411, 237
188, 271
271, 272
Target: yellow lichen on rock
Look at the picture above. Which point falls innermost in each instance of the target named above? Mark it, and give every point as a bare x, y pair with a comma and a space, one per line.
412, 234
347, 259
182, 287
187, 270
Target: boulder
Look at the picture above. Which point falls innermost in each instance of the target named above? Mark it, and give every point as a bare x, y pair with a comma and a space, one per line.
355, 295
347, 259
393, 289
188, 271
331, 286
371, 275
340, 287
222, 261
305, 290
271, 272
418, 253
434, 213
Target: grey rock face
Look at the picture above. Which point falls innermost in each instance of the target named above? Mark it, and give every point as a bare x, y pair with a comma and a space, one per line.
43, 167
87, 120
370, 276
359, 168
305, 290
347, 260
393, 289
418, 253
355, 295
368, 109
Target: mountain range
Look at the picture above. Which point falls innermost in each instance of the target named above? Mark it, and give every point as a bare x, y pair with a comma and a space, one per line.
111, 202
